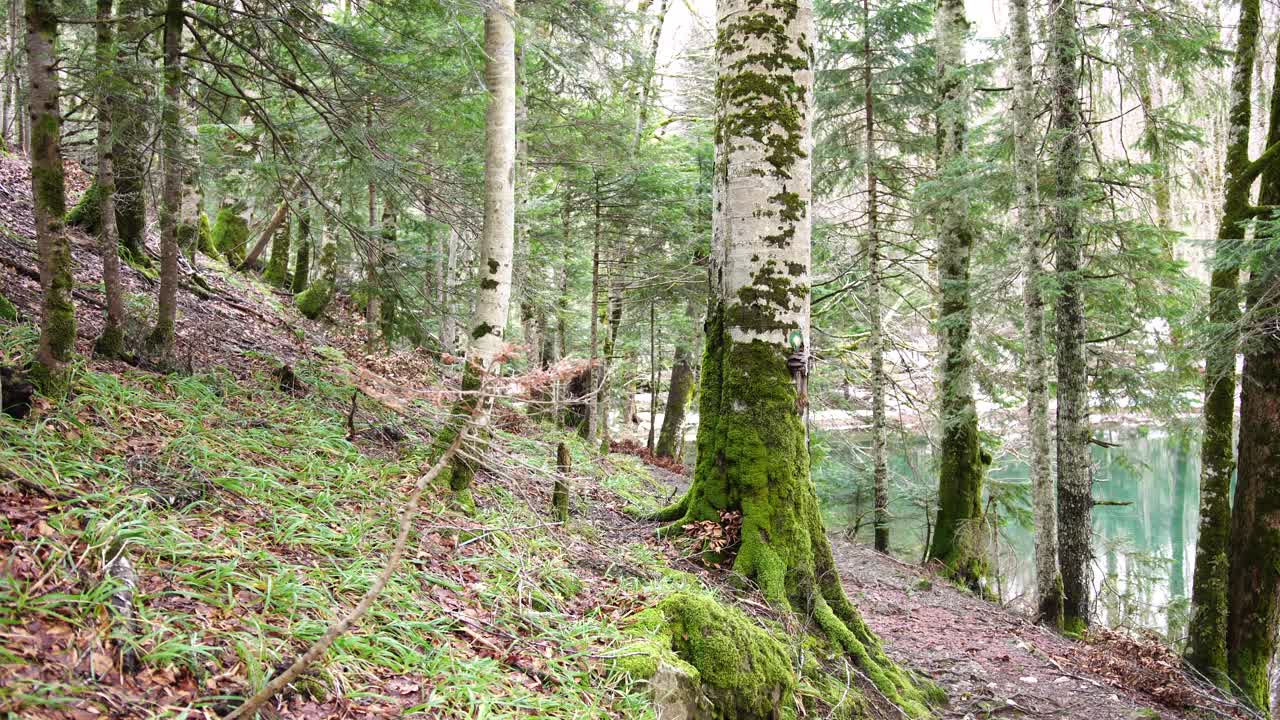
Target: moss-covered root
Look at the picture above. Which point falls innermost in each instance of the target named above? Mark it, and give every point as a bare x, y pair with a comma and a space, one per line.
745, 671
843, 625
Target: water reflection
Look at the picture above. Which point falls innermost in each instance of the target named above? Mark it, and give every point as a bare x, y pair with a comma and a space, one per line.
1144, 533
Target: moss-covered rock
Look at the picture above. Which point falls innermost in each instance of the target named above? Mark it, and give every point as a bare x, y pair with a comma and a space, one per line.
87, 213
313, 301
230, 233
742, 670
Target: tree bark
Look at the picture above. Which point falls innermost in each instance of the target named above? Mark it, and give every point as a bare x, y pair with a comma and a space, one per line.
161, 342
1075, 498
753, 457
1206, 645
1254, 587
110, 344
875, 279
593, 381
48, 190
1027, 184
493, 296
129, 118
653, 375
277, 272
302, 265
958, 537
678, 393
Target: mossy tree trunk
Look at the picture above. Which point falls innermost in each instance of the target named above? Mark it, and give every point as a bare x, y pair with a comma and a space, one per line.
302, 265
277, 272
110, 343
161, 341
1027, 179
957, 538
1254, 587
1206, 646
48, 189
485, 336
678, 392
753, 456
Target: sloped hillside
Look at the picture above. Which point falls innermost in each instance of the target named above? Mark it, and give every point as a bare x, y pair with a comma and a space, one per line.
170, 541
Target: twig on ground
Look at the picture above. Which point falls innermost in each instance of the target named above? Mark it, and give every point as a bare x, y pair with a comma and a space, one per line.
320, 646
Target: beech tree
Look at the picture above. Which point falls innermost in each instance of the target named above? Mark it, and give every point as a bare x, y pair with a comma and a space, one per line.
753, 455
486, 331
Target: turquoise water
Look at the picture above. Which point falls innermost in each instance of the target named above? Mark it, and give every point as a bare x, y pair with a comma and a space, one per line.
1144, 549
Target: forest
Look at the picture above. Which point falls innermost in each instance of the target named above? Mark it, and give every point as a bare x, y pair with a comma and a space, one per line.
746, 359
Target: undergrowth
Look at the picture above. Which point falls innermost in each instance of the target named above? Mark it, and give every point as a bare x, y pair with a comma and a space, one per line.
253, 522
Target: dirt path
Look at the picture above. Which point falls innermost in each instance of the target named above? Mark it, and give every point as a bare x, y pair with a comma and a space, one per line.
994, 663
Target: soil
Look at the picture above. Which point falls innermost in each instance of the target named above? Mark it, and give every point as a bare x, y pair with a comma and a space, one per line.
995, 663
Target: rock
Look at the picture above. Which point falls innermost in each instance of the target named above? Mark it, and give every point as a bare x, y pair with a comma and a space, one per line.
677, 695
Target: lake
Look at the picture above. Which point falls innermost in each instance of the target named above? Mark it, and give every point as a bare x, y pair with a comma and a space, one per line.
1144, 545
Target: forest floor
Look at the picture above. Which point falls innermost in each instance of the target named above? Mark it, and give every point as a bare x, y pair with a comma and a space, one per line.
253, 511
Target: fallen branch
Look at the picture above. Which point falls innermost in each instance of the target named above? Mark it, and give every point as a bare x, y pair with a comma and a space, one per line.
318, 648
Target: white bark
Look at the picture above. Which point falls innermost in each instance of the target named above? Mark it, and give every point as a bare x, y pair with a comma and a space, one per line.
761, 229
493, 296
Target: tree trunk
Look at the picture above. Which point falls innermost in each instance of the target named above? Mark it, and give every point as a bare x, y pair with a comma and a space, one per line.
268, 234
485, 334
1206, 646
129, 118
110, 344
302, 265
277, 272
161, 342
753, 457
677, 399
1027, 183
386, 259
879, 432
1253, 590
653, 375
613, 321
958, 537
57, 311
593, 378
1254, 587
1075, 498
448, 321
560, 490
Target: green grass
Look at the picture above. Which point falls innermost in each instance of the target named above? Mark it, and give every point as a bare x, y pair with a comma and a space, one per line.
254, 523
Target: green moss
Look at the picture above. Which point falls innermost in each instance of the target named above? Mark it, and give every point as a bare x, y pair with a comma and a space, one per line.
87, 213
277, 272
313, 301
230, 233
745, 670
204, 235
48, 179
302, 263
